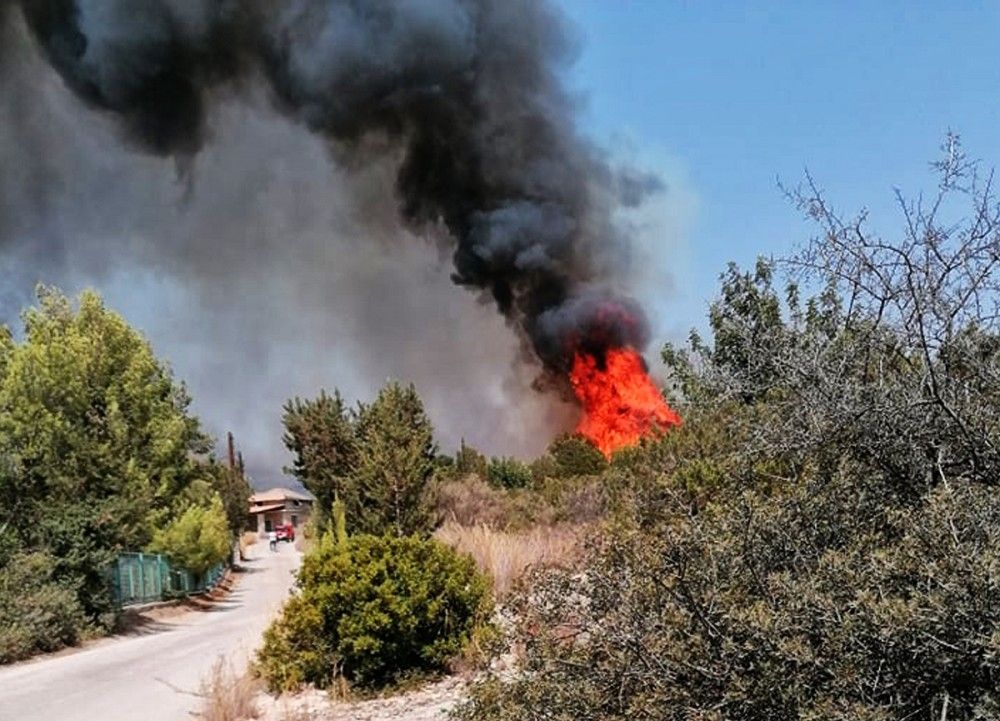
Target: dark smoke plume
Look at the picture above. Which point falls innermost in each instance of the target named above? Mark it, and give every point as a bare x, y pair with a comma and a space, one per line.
463, 95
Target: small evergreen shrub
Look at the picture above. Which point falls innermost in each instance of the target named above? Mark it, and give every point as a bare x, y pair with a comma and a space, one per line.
508, 473
37, 614
373, 610
835, 599
576, 456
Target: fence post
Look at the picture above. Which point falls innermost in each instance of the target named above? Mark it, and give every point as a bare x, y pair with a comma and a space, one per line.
118, 580
142, 578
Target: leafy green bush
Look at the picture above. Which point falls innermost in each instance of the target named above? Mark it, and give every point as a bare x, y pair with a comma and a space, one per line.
37, 614
198, 539
508, 473
373, 609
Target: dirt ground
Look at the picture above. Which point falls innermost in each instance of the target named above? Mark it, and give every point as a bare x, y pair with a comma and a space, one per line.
429, 703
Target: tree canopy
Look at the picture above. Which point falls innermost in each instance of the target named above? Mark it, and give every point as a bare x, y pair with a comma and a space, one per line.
196, 540
98, 447
321, 436
377, 458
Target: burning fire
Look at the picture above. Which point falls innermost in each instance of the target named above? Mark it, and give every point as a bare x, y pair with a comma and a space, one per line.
621, 404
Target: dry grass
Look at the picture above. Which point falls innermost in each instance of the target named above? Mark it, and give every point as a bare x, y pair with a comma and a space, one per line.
304, 543
246, 540
227, 695
470, 501
506, 555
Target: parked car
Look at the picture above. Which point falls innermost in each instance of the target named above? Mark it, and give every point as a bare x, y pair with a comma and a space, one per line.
285, 532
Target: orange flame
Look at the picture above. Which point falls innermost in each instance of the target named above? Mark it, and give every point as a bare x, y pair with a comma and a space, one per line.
621, 404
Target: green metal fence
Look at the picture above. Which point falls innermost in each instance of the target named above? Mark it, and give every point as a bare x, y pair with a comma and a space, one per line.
147, 577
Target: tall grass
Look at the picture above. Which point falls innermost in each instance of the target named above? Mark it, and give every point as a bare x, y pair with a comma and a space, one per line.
470, 501
506, 555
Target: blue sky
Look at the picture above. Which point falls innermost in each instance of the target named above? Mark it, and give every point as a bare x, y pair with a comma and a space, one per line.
741, 94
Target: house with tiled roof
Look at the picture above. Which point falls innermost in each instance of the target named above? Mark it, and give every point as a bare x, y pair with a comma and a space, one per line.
279, 507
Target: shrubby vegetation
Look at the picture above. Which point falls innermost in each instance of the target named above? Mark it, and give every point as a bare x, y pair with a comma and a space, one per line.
98, 452
373, 610
508, 473
385, 602
469, 461
821, 539
38, 611
573, 456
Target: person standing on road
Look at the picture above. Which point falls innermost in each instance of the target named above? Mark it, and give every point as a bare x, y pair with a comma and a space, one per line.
272, 540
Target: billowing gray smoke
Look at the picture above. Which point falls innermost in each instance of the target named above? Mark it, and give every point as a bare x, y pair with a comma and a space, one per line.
465, 88
269, 270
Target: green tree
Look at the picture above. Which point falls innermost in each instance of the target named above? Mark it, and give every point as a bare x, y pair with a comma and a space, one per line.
96, 440
469, 461
198, 539
395, 463
233, 488
321, 436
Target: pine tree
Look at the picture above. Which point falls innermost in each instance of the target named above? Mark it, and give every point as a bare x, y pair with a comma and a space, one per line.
320, 433
396, 454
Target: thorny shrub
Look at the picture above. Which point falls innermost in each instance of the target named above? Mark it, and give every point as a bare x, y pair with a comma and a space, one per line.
826, 601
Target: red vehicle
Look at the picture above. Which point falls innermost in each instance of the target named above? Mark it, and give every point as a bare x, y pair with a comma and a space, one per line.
285, 532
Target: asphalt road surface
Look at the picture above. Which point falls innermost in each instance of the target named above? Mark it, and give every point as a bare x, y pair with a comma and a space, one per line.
151, 674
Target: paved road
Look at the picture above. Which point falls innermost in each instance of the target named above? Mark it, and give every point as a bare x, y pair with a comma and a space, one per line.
144, 676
